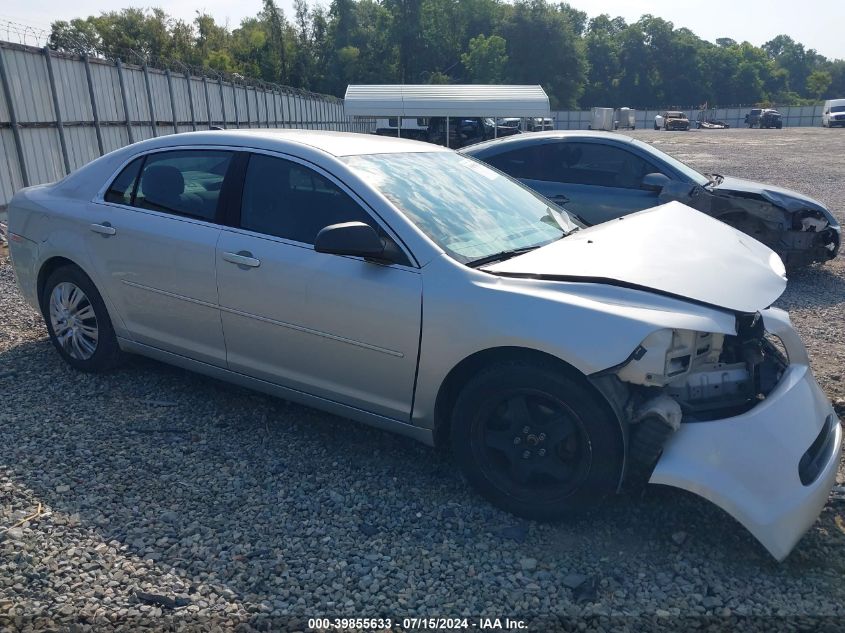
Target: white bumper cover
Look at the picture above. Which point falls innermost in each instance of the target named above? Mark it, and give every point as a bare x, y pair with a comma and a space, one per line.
748, 465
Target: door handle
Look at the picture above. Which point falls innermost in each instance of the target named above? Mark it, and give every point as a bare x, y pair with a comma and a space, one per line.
105, 229
559, 198
244, 259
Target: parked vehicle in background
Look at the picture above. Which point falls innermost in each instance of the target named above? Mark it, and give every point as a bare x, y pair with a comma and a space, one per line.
675, 120
540, 124
626, 119
510, 123
770, 118
833, 113
753, 118
601, 119
466, 130
706, 120
764, 118
600, 177
412, 288
514, 125
658, 121
412, 127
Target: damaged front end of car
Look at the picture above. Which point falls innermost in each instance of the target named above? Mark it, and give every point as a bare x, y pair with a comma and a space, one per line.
800, 230
735, 418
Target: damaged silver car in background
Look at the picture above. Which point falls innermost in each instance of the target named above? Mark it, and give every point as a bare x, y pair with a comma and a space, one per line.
601, 176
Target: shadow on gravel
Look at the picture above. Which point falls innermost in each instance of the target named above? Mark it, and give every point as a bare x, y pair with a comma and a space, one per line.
813, 287
294, 511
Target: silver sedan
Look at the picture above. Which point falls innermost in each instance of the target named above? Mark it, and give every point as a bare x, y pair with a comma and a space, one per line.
412, 288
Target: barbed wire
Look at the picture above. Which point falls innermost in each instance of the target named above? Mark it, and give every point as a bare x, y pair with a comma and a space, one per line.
29, 35
26, 34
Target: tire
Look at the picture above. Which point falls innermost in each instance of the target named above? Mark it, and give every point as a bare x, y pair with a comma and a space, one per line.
656, 127
71, 304
508, 413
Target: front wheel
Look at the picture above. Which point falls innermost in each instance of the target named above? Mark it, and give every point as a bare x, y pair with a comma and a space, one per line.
78, 322
536, 442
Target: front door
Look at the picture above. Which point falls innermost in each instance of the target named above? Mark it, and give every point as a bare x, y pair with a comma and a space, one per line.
336, 327
596, 181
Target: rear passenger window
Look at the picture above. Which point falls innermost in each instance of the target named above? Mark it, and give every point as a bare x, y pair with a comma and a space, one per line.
185, 182
528, 162
288, 200
123, 186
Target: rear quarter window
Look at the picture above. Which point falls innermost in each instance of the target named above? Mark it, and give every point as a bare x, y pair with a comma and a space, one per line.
122, 188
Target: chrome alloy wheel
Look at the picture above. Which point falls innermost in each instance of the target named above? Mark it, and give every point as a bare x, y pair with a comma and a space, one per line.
73, 320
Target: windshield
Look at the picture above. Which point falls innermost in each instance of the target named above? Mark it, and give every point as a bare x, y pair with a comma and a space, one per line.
687, 171
838, 108
468, 209
676, 115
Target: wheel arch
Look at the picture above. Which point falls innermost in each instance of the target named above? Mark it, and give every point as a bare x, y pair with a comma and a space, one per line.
461, 373
48, 267
56, 261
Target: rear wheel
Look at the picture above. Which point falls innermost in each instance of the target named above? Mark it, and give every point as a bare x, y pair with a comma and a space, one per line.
78, 322
535, 442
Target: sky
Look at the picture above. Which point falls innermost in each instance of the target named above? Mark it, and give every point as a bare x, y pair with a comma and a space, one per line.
816, 24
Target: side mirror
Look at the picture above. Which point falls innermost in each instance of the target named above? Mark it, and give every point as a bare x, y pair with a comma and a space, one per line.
350, 238
655, 181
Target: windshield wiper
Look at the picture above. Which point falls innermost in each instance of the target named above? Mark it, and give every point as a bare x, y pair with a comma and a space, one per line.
714, 179
501, 256
556, 216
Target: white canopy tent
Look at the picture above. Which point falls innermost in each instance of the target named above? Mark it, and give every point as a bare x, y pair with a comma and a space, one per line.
431, 100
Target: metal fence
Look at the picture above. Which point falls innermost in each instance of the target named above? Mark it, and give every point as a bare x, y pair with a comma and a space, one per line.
60, 111
793, 116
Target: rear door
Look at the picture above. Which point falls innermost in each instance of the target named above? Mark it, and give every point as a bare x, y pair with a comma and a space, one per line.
336, 327
596, 181
152, 239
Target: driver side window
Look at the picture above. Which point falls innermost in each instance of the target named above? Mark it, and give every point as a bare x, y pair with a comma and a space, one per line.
597, 164
289, 200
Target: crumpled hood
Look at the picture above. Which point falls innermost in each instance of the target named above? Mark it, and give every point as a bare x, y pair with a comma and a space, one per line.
671, 249
779, 196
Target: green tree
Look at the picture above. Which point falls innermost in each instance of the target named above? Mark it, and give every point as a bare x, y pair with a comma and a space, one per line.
485, 61
602, 57
603, 61
77, 36
544, 48
818, 83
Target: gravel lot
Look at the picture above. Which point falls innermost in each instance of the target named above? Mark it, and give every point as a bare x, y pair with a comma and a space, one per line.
239, 510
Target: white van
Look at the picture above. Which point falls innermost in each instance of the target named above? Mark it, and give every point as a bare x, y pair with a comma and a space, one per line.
833, 113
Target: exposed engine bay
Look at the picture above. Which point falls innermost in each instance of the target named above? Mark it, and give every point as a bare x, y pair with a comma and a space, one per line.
798, 233
678, 376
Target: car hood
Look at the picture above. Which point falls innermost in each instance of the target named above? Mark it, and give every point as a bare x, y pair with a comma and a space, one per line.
672, 250
783, 198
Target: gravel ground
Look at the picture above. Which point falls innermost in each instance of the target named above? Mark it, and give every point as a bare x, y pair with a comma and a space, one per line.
155, 498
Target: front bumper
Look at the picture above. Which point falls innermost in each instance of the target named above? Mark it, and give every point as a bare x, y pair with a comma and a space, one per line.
749, 464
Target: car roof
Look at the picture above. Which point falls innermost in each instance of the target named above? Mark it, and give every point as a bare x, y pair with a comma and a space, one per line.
334, 143
538, 137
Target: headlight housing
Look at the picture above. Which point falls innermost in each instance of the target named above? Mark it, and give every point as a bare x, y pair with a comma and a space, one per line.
670, 354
